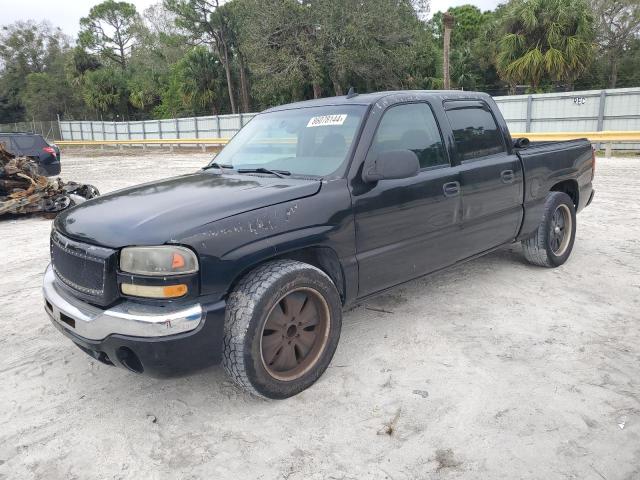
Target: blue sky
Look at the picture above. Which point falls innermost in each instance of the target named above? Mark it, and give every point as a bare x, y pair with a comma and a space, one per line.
481, 4
67, 13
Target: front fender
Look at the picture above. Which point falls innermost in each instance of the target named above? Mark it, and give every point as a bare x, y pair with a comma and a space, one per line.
230, 247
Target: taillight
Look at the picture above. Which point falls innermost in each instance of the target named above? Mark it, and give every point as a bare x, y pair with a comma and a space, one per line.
593, 163
50, 150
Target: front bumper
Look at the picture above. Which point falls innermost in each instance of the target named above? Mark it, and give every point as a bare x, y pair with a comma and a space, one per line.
156, 340
593, 192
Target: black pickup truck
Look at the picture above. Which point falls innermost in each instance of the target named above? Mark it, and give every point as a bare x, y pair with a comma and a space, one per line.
311, 207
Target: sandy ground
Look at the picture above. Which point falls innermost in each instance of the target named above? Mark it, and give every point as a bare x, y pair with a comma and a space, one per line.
494, 369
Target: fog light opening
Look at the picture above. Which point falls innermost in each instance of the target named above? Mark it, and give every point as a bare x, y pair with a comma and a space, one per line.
129, 359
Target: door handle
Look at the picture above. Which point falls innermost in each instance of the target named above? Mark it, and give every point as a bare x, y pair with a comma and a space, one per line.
507, 176
451, 189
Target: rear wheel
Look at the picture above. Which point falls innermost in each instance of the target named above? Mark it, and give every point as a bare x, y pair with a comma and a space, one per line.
282, 328
552, 242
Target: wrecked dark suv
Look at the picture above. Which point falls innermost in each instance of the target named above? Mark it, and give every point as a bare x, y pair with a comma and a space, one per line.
34, 146
311, 207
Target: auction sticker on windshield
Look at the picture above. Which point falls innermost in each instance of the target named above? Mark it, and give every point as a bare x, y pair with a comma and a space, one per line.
326, 120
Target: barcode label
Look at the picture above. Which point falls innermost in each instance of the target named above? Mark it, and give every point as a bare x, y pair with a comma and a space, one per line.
326, 120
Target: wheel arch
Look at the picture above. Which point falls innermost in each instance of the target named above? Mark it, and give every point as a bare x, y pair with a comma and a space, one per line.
570, 187
322, 257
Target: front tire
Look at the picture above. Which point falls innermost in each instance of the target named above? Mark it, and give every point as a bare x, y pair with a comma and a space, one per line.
282, 326
552, 242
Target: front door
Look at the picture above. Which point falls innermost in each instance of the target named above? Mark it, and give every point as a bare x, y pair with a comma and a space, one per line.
407, 228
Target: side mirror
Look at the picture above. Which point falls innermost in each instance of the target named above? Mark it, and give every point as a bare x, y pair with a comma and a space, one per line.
521, 142
394, 164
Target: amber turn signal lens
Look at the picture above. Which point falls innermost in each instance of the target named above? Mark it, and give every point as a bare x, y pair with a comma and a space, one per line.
173, 291
148, 291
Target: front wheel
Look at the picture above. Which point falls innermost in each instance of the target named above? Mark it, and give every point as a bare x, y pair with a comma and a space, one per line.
282, 327
552, 242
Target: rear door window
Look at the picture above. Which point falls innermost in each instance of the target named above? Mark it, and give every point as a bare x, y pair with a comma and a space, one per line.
411, 127
28, 142
475, 132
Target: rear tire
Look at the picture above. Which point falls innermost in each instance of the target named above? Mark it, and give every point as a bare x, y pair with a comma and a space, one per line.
282, 326
552, 243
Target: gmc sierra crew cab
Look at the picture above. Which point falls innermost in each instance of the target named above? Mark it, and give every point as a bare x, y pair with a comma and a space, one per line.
311, 207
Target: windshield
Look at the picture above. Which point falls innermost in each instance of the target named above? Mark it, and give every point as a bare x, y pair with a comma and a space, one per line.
304, 141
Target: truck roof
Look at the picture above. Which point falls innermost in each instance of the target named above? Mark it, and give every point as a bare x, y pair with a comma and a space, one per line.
371, 98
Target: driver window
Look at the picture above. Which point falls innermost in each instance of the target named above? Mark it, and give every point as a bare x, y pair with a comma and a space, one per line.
411, 127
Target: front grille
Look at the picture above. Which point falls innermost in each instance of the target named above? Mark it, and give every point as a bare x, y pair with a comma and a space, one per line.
85, 269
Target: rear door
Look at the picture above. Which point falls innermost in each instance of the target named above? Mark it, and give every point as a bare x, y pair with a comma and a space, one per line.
406, 228
491, 178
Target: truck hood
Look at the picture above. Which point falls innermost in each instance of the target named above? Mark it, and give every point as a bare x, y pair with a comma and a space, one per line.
160, 212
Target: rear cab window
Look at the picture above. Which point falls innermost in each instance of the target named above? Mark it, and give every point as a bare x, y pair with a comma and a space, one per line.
475, 130
412, 127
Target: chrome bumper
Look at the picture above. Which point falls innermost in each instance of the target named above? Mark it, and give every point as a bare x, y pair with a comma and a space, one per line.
126, 318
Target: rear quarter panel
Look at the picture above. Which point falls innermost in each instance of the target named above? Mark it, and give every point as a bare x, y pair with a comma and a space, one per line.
546, 165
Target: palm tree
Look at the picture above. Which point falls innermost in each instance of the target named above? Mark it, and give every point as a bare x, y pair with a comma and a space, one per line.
546, 41
200, 79
448, 22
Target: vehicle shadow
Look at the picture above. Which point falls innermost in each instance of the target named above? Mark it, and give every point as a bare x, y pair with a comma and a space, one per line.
372, 314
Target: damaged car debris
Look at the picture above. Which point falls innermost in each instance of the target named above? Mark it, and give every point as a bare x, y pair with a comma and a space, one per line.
23, 190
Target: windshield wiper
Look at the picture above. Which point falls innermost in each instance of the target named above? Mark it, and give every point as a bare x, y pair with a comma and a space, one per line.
277, 173
219, 166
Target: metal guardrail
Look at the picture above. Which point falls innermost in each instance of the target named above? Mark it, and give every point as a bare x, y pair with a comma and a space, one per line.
594, 137
607, 138
202, 142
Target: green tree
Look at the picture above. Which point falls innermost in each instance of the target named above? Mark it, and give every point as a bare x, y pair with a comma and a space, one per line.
110, 30
618, 27
473, 46
282, 31
306, 49
27, 48
469, 23
235, 14
546, 42
366, 43
47, 95
160, 46
105, 91
144, 92
84, 61
424, 62
207, 23
172, 103
201, 79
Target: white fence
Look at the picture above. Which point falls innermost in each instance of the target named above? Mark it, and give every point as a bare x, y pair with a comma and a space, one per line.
221, 126
583, 111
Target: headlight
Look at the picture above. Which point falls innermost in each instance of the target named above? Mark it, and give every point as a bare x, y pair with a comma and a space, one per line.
158, 261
